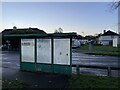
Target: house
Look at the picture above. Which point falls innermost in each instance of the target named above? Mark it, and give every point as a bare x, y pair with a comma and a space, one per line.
16, 30
11, 37
107, 37
14, 41
116, 42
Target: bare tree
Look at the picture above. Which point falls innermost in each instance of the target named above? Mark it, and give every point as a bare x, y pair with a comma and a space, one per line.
59, 30
116, 4
56, 31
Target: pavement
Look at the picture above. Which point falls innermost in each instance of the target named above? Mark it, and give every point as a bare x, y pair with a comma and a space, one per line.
10, 71
37, 79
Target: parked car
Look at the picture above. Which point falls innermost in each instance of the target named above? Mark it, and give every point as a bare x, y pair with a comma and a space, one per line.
76, 44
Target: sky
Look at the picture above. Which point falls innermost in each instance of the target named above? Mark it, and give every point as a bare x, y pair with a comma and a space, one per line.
85, 18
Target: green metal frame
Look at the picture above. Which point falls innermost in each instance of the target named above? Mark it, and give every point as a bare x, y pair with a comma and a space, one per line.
63, 69
27, 66
43, 66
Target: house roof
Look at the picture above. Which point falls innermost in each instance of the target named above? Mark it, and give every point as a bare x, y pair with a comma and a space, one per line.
33, 32
110, 33
42, 35
23, 31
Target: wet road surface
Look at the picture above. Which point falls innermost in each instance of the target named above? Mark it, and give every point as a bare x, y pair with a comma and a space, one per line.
96, 60
10, 60
10, 70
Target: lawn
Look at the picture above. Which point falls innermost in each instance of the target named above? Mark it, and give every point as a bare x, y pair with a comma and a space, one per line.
105, 53
102, 50
107, 48
90, 81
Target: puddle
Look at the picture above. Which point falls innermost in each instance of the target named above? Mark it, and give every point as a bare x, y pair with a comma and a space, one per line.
6, 62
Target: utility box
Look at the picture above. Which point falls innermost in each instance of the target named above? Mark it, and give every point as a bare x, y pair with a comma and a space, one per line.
47, 53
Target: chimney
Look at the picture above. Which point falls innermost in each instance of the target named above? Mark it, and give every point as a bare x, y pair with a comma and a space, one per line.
104, 31
14, 28
30, 28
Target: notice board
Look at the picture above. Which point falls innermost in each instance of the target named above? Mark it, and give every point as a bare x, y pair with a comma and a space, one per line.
44, 51
28, 50
62, 51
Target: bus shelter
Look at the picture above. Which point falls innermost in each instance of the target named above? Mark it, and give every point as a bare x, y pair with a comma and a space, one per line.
46, 52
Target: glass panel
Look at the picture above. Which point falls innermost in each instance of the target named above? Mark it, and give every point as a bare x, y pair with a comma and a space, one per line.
62, 51
44, 51
28, 50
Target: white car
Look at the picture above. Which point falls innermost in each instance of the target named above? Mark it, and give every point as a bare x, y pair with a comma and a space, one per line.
76, 43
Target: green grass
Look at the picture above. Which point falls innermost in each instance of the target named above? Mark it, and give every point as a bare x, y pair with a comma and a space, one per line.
84, 47
90, 81
107, 48
75, 81
101, 48
105, 53
13, 84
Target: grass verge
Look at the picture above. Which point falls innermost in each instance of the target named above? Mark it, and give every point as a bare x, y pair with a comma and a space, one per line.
82, 81
100, 48
90, 82
13, 84
105, 53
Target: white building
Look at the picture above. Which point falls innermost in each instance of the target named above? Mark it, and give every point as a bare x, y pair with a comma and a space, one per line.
116, 42
107, 37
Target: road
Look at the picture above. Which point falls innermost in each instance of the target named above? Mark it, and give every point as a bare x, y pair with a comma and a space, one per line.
10, 70
98, 60
10, 60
